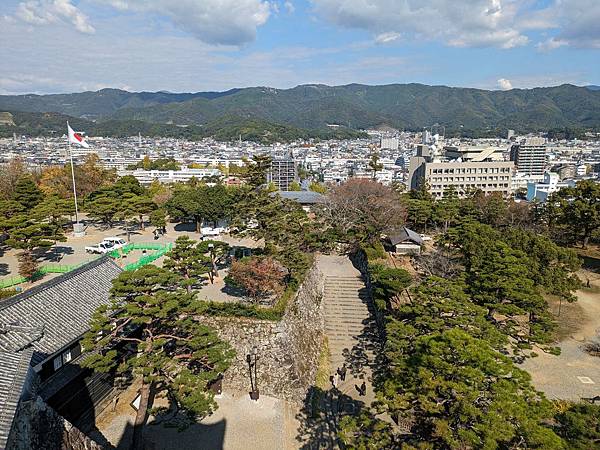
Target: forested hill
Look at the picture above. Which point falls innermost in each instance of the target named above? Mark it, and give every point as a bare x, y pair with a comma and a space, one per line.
407, 106
226, 128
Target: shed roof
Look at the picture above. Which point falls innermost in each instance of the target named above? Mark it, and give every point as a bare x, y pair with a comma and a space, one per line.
303, 197
406, 235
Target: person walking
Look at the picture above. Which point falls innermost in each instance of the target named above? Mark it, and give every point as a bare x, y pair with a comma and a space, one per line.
342, 372
363, 389
335, 380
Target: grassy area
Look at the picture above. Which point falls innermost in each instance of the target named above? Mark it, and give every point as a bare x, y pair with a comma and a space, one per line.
324, 367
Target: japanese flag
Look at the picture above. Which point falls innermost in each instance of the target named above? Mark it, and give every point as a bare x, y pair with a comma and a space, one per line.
76, 138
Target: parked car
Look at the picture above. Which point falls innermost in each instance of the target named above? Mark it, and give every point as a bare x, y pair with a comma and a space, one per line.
115, 242
210, 231
101, 248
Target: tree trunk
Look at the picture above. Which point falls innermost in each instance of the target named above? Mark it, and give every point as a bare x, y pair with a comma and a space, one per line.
142, 222
141, 417
189, 286
198, 230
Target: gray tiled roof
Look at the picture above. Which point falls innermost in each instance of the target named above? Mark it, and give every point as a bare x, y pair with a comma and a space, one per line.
13, 373
303, 197
406, 235
55, 313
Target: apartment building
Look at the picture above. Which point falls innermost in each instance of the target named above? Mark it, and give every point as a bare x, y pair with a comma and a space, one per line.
530, 156
283, 173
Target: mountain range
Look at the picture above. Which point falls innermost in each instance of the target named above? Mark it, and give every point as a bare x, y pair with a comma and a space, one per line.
315, 106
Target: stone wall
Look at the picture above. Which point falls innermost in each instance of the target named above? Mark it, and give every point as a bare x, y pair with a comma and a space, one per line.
37, 426
288, 350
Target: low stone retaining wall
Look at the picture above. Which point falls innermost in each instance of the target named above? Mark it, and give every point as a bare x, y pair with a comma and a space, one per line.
288, 350
37, 426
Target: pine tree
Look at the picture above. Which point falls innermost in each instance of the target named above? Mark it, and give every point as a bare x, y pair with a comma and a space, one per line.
174, 351
27, 193
189, 261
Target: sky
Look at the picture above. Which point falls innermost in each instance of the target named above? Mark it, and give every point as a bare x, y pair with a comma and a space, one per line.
58, 46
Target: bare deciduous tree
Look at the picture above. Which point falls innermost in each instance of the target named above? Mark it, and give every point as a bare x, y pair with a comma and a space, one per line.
364, 209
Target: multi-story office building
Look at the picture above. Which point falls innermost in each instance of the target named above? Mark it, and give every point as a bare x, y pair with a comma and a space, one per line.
282, 173
530, 156
440, 173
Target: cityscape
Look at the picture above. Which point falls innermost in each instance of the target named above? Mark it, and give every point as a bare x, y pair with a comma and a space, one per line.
299, 225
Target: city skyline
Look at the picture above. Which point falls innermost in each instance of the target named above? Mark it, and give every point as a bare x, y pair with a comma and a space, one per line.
61, 46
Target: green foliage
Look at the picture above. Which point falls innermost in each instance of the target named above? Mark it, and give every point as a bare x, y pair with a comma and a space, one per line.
374, 251
187, 260
317, 187
256, 171
157, 164
27, 234
174, 351
295, 186
387, 283
55, 210
201, 203
500, 278
462, 393
7, 293
468, 112
158, 218
579, 426
27, 193
374, 164
105, 208
577, 209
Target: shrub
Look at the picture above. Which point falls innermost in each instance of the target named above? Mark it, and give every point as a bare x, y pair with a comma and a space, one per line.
259, 277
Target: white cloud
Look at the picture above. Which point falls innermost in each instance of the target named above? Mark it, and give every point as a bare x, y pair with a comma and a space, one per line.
577, 22
466, 23
227, 22
42, 12
505, 84
551, 44
385, 38
289, 7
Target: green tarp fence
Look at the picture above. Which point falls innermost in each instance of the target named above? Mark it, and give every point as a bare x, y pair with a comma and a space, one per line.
158, 251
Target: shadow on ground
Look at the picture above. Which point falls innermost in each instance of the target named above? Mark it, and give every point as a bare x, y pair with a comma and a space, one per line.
320, 415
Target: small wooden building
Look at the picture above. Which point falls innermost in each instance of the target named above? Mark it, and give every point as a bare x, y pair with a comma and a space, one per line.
406, 242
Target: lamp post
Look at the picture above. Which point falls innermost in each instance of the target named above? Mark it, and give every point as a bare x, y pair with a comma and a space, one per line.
252, 360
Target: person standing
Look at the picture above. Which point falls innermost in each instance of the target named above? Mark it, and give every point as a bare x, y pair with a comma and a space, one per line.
335, 380
342, 372
363, 389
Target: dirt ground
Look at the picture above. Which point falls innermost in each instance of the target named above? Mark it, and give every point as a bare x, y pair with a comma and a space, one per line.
574, 374
238, 424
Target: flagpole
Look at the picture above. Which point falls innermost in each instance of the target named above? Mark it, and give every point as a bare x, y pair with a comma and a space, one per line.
73, 177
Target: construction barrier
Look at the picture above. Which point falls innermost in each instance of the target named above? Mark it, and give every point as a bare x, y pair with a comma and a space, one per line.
158, 251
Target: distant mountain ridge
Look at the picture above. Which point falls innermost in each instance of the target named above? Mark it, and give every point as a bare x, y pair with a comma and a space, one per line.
356, 106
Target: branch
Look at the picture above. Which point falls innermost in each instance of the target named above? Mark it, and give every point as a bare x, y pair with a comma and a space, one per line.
131, 339
172, 337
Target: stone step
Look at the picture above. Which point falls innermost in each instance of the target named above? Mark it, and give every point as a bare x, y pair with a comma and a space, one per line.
357, 308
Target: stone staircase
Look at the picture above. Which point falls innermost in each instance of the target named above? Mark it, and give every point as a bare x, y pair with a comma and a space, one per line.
350, 330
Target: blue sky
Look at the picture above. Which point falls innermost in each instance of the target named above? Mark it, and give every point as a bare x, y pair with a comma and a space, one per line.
58, 46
